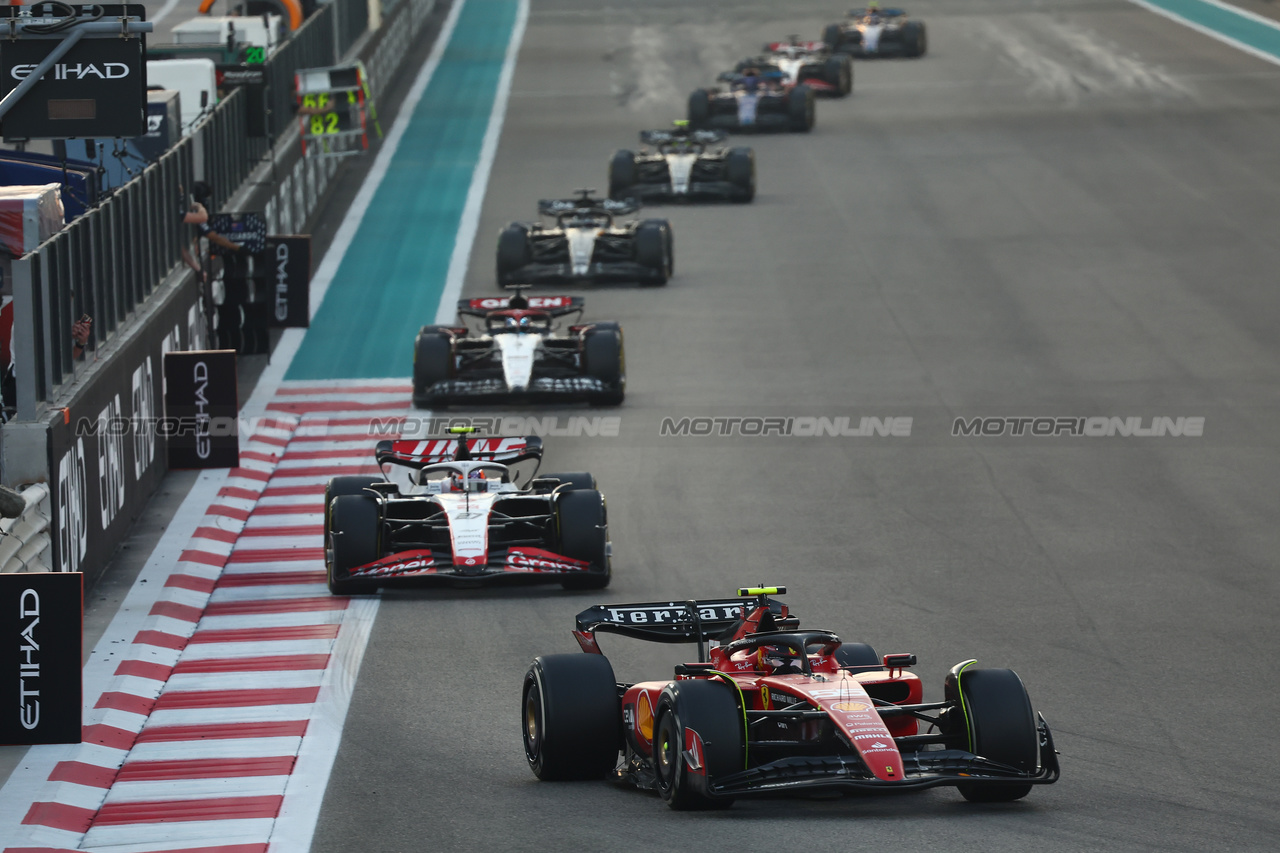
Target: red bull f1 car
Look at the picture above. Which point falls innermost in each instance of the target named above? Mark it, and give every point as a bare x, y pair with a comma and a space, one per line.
753, 100
768, 708
519, 349
873, 31
472, 513
683, 165
808, 62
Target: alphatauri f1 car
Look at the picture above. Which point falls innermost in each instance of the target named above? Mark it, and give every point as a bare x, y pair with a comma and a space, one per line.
465, 519
585, 244
877, 32
809, 62
753, 101
683, 167
520, 351
771, 709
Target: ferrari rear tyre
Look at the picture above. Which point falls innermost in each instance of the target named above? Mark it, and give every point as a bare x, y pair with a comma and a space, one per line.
699, 109
513, 253
740, 170
702, 718
572, 719
432, 363
573, 482
1001, 727
653, 249
622, 174
860, 657
353, 542
914, 40
838, 71
800, 108
583, 523
605, 359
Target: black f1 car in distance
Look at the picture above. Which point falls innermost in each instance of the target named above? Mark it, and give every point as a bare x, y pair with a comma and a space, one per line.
809, 62
520, 351
772, 709
682, 167
585, 243
874, 31
750, 101
465, 519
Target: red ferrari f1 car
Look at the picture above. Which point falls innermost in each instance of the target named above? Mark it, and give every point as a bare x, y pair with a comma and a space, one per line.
769, 709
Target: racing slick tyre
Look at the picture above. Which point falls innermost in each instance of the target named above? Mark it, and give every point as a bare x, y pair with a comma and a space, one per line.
432, 363
699, 109
914, 41
345, 485
831, 36
740, 170
1000, 726
702, 716
583, 523
858, 657
573, 482
653, 249
800, 108
353, 541
572, 717
513, 252
605, 359
838, 71
622, 174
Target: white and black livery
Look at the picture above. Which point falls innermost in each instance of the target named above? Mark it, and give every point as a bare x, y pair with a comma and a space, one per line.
812, 63
471, 513
585, 243
519, 348
753, 100
683, 164
873, 32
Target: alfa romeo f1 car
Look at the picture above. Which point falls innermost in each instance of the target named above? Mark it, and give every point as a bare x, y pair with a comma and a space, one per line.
519, 351
472, 514
585, 244
762, 101
877, 32
808, 62
769, 708
683, 167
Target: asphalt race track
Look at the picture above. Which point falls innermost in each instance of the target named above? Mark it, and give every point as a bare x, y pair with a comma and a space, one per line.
1067, 209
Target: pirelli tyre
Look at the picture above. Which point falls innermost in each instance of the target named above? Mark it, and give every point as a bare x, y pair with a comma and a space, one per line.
582, 524
571, 716
697, 718
914, 40
352, 535
622, 174
348, 484
800, 108
604, 358
513, 252
833, 36
838, 72
573, 481
699, 109
432, 363
654, 245
995, 720
740, 171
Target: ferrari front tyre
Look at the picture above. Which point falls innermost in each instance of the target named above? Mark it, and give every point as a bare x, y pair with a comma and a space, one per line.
914, 41
353, 542
604, 358
698, 739
572, 717
699, 109
740, 171
432, 363
572, 482
800, 108
622, 174
838, 71
1001, 726
513, 253
583, 525
653, 249
858, 657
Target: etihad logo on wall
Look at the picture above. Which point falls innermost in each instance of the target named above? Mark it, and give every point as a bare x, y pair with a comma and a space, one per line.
76, 71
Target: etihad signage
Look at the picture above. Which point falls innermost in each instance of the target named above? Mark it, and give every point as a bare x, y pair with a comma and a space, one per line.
40, 651
200, 395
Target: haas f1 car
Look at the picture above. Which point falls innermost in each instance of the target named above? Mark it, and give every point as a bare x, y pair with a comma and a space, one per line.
877, 32
520, 351
682, 166
585, 244
809, 62
465, 519
753, 101
772, 709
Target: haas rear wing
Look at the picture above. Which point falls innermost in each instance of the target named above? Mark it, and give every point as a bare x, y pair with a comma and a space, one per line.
416, 453
672, 621
556, 306
587, 206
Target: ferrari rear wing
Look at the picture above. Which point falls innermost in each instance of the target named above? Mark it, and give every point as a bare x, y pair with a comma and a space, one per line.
556, 306
415, 453
671, 621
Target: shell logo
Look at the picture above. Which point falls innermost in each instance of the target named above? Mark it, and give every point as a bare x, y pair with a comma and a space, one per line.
850, 706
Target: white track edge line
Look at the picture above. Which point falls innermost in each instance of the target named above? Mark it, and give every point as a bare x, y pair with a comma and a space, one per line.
1214, 34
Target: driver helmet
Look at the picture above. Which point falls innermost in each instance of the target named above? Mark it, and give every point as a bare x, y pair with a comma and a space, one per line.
525, 324
455, 483
510, 323
476, 474
778, 660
